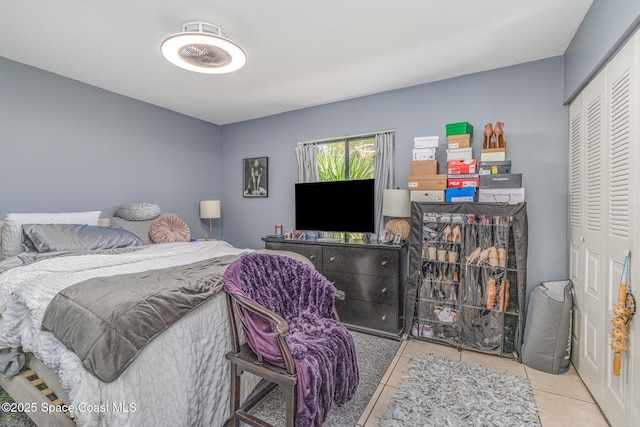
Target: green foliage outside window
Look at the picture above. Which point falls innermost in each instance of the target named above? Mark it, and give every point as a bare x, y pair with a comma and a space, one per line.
333, 157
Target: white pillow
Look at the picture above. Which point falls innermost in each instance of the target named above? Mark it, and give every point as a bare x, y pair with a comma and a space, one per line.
12, 235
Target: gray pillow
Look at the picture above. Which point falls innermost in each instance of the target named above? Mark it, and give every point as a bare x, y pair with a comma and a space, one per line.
138, 211
76, 237
139, 228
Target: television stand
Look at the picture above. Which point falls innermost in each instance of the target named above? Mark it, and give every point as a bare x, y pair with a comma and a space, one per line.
329, 240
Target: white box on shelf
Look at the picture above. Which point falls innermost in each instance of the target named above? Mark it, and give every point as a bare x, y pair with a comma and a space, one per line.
424, 154
503, 196
459, 154
427, 195
426, 141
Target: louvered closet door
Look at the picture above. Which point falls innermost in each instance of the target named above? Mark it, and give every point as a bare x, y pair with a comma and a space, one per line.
575, 220
604, 183
592, 291
622, 116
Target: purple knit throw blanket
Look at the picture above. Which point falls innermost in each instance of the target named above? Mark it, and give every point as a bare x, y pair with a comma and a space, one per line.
322, 348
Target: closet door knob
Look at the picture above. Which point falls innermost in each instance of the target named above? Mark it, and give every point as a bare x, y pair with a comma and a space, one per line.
384, 317
312, 257
383, 290
384, 263
332, 258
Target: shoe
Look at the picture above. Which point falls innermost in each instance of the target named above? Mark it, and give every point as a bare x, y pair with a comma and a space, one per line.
499, 134
491, 293
502, 257
446, 232
493, 256
507, 283
484, 254
473, 256
456, 234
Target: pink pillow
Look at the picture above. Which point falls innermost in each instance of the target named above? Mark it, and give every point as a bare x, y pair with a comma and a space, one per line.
169, 228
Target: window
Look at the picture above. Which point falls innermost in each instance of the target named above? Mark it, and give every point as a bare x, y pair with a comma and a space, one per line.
346, 159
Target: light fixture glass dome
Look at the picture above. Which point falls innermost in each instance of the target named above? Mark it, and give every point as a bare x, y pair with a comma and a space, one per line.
203, 48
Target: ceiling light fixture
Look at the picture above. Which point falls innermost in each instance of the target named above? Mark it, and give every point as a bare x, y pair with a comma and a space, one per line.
204, 48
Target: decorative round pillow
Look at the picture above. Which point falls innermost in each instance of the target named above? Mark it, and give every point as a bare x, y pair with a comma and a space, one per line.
169, 228
138, 211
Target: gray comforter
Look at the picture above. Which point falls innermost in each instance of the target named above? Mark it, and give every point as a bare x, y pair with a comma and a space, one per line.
107, 321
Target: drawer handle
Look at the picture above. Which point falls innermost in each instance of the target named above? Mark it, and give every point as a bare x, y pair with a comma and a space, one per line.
384, 317
312, 256
384, 263
384, 290
332, 258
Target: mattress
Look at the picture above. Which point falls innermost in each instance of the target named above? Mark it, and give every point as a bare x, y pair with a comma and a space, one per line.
180, 378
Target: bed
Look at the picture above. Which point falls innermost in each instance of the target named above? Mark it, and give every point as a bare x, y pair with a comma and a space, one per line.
180, 378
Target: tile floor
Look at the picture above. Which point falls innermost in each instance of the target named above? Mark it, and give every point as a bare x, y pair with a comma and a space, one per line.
562, 400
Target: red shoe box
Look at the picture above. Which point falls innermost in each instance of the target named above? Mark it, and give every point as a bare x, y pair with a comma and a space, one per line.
455, 167
463, 181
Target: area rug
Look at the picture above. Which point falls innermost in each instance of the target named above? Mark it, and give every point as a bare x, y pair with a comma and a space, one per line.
9, 418
374, 357
437, 391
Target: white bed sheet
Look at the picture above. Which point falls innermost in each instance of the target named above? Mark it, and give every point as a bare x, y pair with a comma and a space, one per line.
181, 378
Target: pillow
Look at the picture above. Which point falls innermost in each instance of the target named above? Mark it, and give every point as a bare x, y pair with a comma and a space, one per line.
169, 228
139, 228
138, 211
77, 237
12, 236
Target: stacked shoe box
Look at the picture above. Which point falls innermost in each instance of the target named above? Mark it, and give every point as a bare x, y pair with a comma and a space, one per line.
494, 149
425, 183
462, 173
498, 184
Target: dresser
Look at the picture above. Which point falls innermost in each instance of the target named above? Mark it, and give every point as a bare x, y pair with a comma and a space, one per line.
373, 278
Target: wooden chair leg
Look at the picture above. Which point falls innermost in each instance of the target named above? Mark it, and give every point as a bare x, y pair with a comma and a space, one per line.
291, 397
235, 396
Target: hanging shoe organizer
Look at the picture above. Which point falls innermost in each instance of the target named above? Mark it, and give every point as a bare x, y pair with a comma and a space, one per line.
469, 287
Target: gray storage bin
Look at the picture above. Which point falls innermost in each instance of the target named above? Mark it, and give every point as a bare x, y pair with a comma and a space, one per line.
546, 343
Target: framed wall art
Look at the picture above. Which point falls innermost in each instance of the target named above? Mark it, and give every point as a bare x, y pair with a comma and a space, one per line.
255, 172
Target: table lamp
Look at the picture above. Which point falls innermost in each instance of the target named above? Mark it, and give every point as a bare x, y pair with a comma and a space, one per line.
396, 204
210, 209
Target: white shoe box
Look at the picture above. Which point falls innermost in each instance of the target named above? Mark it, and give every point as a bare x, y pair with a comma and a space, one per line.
459, 154
503, 196
424, 154
426, 141
426, 195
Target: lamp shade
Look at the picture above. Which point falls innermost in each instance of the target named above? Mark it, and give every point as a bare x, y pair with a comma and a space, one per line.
209, 209
396, 203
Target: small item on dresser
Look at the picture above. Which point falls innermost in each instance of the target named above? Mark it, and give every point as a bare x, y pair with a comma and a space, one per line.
279, 229
387, 236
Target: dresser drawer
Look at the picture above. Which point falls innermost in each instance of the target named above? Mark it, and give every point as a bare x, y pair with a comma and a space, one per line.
311, 252
382, 317
360, 261
365, 288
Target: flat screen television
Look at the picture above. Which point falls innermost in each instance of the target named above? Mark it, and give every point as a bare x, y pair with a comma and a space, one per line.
336, 206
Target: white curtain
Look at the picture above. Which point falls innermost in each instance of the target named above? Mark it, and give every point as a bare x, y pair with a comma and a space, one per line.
307, 162
383, 172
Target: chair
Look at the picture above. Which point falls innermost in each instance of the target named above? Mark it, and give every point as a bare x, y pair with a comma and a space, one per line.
276, 367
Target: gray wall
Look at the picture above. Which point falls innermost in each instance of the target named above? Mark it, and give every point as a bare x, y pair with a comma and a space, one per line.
603, 30
67, 146
528, 98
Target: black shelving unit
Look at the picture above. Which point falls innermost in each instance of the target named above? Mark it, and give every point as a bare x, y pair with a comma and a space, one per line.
467, 276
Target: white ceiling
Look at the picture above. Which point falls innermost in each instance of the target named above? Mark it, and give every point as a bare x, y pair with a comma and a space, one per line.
300, 53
